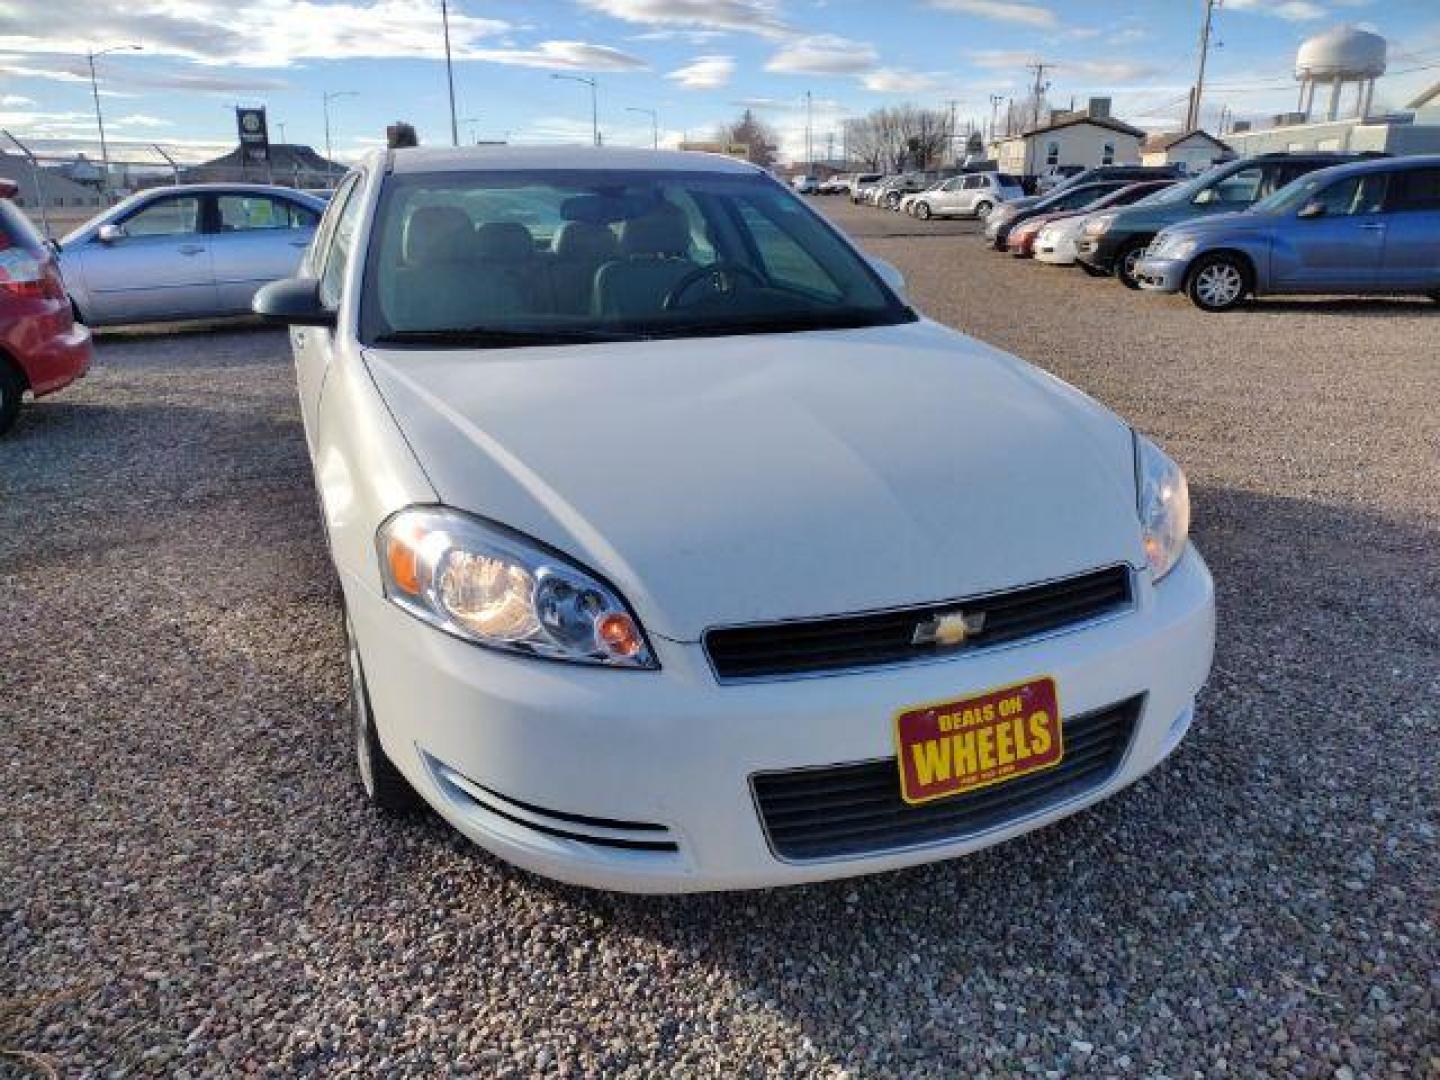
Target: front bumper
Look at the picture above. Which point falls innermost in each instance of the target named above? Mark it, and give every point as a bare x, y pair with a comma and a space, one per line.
1059, 252
1161, 274
1098, 252
642, 781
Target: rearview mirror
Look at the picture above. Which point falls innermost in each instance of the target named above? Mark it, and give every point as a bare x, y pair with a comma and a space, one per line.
890, 274
292, 302
110, 232
1312, 209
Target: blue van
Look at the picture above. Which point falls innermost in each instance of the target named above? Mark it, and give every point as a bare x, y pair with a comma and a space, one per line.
1367, 227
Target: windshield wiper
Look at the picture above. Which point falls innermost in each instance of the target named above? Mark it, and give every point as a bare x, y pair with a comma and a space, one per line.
499, 337
783, 324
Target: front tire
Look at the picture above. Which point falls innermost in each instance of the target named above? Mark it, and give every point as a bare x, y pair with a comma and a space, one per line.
381, 782
12, 389
1093, 271
1218, 282
982, 210
1127, 260
922, 211
892, 202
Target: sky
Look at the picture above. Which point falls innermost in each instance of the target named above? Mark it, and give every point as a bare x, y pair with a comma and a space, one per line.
696, 63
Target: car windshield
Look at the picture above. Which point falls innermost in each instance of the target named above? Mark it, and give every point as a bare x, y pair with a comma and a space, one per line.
1183, 191
1290, 197
519, 257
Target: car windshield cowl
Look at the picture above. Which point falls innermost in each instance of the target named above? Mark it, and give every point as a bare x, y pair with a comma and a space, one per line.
495, 337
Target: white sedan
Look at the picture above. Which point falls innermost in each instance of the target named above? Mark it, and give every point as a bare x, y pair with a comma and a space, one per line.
679, 553
1055, 243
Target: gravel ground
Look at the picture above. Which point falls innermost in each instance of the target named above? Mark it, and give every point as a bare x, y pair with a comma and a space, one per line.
189, 884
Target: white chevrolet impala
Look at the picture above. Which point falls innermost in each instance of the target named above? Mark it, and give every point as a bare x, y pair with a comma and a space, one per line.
678, 552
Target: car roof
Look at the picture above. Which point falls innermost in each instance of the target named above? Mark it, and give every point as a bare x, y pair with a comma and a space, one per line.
1380, 164
423, 159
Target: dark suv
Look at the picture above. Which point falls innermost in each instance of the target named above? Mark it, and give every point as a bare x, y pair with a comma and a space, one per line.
1134, 174
1114, 241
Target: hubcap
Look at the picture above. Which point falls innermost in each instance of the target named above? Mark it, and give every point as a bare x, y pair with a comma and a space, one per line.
982, 211
1219, 285
361, 721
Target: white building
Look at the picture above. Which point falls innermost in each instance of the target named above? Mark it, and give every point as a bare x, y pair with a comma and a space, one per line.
1337, 72
1086, 139
1194, 151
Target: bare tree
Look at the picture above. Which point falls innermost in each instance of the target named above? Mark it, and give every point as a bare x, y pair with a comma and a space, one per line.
903, 137
752, 132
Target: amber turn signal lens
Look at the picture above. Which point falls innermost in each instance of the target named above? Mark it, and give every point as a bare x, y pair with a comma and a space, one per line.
619, 634
404, 565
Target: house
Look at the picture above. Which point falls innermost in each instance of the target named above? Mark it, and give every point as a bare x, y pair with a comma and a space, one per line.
1194, 151
1087, 138
46, 188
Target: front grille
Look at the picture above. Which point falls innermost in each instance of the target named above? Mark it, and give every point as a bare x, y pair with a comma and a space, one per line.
847, 810
887, 637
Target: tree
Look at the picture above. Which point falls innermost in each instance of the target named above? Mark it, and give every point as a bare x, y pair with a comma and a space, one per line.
752, 132
904, 137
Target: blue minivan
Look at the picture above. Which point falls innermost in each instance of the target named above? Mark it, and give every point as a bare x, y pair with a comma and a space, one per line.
1367, 227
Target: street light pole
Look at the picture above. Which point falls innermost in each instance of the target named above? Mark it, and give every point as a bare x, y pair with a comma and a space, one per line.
654, 123
449, 73
99, 116
589, 81
328, 96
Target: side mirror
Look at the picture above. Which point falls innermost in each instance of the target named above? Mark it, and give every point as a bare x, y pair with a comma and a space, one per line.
890, 274
292, 302
1312, 209
110, 232
1206, 197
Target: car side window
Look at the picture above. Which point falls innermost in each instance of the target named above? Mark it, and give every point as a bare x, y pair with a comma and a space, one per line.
244, 213
1415, 189
1239, 188
1354, 195
165, 217
974, 183
342, 245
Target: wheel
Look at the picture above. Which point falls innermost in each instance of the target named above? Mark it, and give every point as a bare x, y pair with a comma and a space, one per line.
1218, 282
12, 389
982, 210
1127, 259
381, 782
922, 211
892, 201
1093, 271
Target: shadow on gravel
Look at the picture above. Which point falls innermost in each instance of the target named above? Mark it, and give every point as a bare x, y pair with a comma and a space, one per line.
1367, 307
1183, 886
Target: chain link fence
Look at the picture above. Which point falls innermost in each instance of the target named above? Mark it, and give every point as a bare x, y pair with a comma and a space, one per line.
61, 191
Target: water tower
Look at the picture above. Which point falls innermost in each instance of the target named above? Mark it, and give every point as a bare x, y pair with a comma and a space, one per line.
1339, 56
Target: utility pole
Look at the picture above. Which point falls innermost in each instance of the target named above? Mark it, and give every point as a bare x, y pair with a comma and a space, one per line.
950, 134
654, 124
589, 81
100, 119
449, 73
809, 139
329, 96
1192, 118
1038, 90
995, 100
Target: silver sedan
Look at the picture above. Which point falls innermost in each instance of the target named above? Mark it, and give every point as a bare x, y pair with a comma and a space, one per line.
186, 252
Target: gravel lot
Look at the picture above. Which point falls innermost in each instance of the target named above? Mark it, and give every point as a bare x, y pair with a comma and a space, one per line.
190, 885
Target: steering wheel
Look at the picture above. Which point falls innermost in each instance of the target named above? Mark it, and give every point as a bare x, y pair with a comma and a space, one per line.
721, 272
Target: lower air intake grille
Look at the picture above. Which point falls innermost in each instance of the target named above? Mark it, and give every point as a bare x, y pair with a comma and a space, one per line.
803, 646
847, 810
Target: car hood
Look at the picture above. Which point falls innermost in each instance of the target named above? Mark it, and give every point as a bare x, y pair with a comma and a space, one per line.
1231, 222
754, 478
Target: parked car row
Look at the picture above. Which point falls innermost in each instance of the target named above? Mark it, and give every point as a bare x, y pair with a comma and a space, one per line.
1289, 223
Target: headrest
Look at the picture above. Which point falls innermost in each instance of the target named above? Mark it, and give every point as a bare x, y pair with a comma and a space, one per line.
437, 234
583, 240
504, 241
663, 231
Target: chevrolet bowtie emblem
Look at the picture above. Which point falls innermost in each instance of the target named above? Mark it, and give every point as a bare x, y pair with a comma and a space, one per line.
950, 628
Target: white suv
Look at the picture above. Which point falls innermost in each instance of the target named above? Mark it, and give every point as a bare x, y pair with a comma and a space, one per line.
971, 195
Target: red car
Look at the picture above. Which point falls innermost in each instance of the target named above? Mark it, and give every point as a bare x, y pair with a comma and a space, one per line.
42, 347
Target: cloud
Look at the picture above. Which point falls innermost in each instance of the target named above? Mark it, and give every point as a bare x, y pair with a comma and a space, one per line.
705, 73
15, 101
1002, 10
258, 33
197, 79
745, 16
1292, 10
563, 56
763, 104
898, 81
824, 54
1100, 71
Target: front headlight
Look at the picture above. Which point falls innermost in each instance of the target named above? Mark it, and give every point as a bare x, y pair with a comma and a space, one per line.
1163, 501
1099, 224
1172, 247
496, 588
